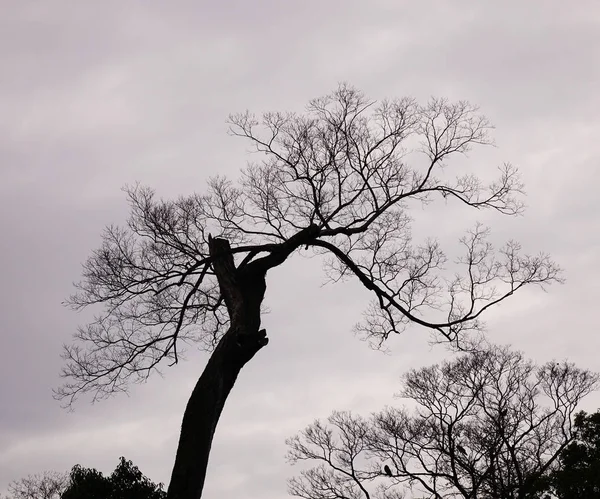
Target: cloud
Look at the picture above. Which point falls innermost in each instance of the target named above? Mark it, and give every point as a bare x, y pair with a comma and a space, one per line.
95, 96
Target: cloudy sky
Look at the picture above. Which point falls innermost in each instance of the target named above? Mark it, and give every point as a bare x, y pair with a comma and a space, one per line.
96, 95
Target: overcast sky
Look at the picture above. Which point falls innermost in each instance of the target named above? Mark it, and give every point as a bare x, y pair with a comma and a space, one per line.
96, 95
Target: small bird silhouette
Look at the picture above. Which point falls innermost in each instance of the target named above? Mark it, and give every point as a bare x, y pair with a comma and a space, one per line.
460, 449
387, 470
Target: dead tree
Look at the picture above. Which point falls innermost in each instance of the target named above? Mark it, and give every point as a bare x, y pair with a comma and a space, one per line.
336, 181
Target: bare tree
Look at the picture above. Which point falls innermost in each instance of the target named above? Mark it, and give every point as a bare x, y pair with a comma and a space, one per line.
47, 485
489, 424
336, 181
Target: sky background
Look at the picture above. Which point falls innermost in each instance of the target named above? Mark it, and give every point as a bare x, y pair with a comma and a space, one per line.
96, 95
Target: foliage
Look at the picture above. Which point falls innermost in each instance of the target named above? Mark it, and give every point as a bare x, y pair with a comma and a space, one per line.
578, 475
125, 482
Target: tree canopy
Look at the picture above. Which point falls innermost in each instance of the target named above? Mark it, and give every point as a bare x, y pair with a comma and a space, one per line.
125, 482
336, 180
487, 424
46, 485
579, 472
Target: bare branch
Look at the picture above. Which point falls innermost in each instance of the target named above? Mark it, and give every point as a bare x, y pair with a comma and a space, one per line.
47, 485
337, 179
487, 424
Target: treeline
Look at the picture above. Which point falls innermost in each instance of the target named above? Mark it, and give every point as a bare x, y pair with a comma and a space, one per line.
125, 482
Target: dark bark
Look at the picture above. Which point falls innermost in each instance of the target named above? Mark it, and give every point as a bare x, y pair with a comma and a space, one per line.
243, 290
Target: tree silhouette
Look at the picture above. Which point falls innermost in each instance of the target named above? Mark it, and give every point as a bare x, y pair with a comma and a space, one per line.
335, 182
125, 482
513, 420
47, 485
578, 474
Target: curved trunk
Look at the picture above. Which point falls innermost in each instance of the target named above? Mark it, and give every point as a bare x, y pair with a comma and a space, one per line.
204, 409
243, 290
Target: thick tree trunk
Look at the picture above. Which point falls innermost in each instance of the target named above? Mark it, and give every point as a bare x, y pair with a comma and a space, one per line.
243, 293
204, 409
243, 290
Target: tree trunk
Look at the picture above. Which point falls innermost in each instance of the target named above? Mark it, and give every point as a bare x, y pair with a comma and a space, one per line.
203, 411
243, 290
243, 293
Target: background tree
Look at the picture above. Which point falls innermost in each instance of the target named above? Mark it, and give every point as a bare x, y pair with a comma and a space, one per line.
489, 424
125, 482
47, 485
335, 180
578, 474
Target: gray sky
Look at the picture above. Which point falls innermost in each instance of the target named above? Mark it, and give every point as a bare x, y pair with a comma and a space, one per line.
95, 95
